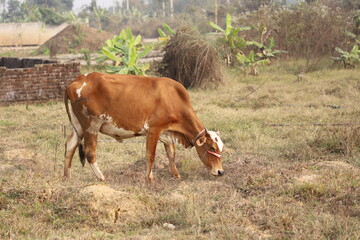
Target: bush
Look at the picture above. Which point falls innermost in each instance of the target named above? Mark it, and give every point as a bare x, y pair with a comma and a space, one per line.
191, 60
309, 31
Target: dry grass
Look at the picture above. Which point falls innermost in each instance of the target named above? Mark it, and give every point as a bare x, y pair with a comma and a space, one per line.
296, 180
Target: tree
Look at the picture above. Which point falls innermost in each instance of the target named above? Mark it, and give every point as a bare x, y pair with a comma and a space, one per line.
99, 13
60, 6
93, 5
14, 12
50, 16
255, 4
26, 12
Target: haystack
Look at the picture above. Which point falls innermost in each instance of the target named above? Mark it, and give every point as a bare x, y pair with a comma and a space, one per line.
191, 60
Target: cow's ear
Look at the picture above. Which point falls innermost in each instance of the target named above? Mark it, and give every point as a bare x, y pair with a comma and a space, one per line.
201, 141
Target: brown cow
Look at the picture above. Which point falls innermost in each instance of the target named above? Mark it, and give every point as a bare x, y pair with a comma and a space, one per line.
125, 106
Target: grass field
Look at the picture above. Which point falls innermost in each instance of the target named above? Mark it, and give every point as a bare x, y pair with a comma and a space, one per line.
292, 163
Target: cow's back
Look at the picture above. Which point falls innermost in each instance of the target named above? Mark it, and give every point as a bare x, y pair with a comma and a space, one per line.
130, 100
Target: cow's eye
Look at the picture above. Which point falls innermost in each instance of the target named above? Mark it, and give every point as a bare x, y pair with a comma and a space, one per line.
212, 149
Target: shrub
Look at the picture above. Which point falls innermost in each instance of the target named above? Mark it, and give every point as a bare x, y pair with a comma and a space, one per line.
191, 60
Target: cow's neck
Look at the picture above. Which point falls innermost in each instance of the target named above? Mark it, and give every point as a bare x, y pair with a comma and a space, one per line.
191, 127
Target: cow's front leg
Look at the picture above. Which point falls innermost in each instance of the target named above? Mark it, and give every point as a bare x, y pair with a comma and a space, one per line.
170, 152
151, 142
90, 142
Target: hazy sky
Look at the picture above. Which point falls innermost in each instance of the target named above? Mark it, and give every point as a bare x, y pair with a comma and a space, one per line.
102, 3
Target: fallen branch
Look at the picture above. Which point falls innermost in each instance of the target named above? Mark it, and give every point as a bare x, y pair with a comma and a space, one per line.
311, 124
238, 100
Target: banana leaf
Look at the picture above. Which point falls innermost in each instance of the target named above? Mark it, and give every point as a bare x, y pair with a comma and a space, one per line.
137, 40
339, 50
109, 43
145, 52
228, 28
101, 59
124, 71
110, 55
355, 49
161, 33
168, 29
262, 62
251, 56
271, 43
216, 27
259, 45
132, 57
113, 69
242, 58
129, 33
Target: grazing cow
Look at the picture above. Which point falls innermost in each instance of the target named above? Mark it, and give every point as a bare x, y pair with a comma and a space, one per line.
126, 106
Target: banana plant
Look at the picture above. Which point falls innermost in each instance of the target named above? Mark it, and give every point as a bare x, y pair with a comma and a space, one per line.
266, 52
125, 50
349, 59
99, 13
230, 37
251, 62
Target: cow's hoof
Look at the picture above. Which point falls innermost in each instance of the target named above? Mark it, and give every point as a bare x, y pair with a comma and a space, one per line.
150, 179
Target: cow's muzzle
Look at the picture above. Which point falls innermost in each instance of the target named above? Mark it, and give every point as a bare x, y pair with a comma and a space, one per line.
217, 172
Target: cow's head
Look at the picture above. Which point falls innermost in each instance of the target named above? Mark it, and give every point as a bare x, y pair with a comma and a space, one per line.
209, 148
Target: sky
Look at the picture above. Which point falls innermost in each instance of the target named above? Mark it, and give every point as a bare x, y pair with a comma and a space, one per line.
101, 3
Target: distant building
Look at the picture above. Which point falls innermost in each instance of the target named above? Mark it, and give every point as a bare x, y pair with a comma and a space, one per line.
27, 34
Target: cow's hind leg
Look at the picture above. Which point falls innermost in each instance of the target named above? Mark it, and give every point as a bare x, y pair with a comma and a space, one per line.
90, 141
151, 142
170, 152
70, 147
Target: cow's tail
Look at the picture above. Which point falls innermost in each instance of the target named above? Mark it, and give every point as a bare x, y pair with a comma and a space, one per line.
66, 100
81, 154
80, 145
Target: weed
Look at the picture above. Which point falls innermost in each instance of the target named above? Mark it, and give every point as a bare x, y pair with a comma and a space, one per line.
6, 123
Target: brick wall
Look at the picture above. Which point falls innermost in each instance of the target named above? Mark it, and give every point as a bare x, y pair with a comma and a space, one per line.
39, 83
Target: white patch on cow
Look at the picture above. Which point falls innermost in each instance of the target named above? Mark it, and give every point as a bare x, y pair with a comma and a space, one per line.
166, 138
216, 138
95, 126
79, 90
73, 142
97, 122
75, 122
116, 132
105, 117
104, 124
97, 171
145, 128
86, 74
